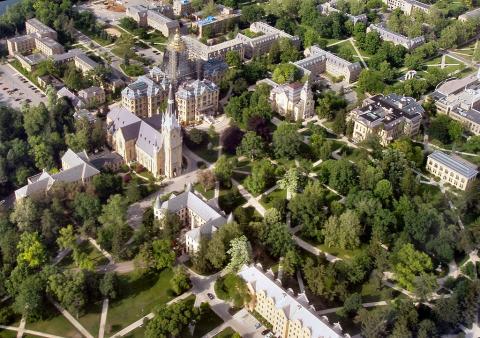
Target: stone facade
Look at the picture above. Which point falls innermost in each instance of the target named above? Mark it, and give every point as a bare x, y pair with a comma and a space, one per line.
395, 38
144, 96
407, 6
196, 99
294, 100
452, 169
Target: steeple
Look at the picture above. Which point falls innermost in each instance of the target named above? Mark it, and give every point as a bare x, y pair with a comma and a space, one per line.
170, 117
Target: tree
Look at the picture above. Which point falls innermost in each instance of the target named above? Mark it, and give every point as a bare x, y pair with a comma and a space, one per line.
230, 139
217, 247
224, 170
252, 146
170, 226
374, 323
109, 285
240, 253
383, 190
106, 185
277, 239
114, 231
31, 250
30, 297
196, 137
330, 103
351, 305
207, 179
424, 285
163, 255
321, 278
180, 281
293, 181
67, 238
344, 231
290, 262
286, 73
286, 141
233, 59
252, 13
263, 175
410, 264
70, 290
26, 215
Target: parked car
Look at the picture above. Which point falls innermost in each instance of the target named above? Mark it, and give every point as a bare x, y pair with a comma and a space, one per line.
264, 332
211, 296
257, 326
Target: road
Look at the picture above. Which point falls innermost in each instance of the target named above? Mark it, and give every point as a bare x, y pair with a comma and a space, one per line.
11, 79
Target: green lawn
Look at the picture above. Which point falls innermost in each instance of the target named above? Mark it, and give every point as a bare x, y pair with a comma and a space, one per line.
266, 201
226, 333
9, 334
208, 194
57, 325
156, 37
341, 253
132, 69
91, 319
140, 295
207, 323
92, 254
209, 154
344, 45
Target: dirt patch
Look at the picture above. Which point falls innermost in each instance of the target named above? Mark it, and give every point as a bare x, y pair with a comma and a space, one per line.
116, 8
113, 31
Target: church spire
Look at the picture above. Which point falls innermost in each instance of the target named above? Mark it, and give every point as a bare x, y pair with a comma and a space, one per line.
170, 117
171, 101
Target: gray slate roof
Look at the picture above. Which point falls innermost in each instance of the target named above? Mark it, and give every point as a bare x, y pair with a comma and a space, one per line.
455, 163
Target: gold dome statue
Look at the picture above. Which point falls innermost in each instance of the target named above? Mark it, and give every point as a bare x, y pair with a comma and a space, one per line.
177, 43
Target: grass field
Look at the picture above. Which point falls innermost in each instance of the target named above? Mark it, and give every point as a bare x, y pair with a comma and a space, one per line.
140, 296
56, 324
226, 333
92, 254
266, 201
208, 194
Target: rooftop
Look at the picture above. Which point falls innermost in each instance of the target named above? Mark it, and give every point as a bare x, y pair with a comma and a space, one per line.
455, 163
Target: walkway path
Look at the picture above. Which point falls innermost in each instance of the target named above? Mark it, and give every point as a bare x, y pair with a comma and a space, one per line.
335, 309
71, 319
251, 201
21, 328
29, 332
97, 246
314, 250
103, 319
360, 56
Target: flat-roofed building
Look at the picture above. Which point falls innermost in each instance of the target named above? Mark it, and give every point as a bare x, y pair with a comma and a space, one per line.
318, 61
144, 96
460, 99
196, 99
266, 37
470, 15
210, 25
34, 26
48, 46
84, 63
452, 169
92, 96
198, 50
290, 316
407, 6
21, 44
294, 100
388, 117
29, 62
395, 38
200, 217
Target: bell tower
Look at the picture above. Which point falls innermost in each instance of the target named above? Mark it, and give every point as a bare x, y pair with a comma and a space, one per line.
172, 138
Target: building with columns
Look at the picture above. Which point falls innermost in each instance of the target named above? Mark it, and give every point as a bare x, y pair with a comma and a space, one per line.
293, 100
154, 142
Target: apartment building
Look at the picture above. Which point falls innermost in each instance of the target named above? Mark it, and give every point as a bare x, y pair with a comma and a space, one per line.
152, 18
34, 26
84, 63
460, 99
290, 316
196, 99
266, 37
318, 61
92, 96
388, 117
197, 50
395, 38
293, 100
144, 96
154, 142
452, 169
330, 7
20, 44
407, 6
221, 22
48, 46
200, 217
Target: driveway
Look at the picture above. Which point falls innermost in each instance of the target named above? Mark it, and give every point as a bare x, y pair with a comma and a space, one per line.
10, 80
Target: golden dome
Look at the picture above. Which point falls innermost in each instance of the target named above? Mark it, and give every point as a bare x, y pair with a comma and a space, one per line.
177, 43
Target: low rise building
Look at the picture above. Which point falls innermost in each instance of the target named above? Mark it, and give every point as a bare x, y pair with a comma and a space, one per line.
407, 6
290, 316
92, 97
388, 117
223, 20
144, 96
20, 44
200, 217
460, 99
452, 169
153, 18
266, 36
200, 51
182, 7
318, 61
331, 7
34, 26
84, 63
196, 99
470, 15
76, 167
48, 46
29, 62
294, 100
154, 142
395, 38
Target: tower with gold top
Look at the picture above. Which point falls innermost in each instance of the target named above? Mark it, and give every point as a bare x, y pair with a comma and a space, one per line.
177, 65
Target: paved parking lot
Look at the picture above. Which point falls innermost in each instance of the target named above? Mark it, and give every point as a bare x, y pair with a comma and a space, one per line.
15, 89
